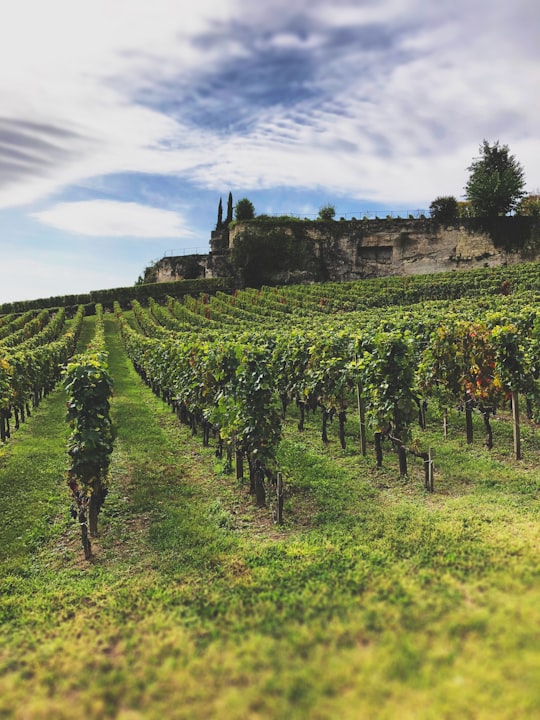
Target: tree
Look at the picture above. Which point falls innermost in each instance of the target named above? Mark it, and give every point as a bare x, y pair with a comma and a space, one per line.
244, 210
229, 217
219, 224
444, 210
496, 182
327, 212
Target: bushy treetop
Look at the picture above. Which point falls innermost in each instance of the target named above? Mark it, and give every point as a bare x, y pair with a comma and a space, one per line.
496, 183
444, 209
244, 210
327, 212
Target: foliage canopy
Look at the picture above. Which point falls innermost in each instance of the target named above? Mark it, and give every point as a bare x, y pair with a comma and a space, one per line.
327, 212
444, 210
244, 210
496, 182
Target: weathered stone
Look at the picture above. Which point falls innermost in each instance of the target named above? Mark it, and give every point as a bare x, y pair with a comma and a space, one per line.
356, 249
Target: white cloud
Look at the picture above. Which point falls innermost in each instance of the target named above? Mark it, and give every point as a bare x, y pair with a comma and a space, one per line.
362, 13
412, 115
108, 218
404, 125
74, 67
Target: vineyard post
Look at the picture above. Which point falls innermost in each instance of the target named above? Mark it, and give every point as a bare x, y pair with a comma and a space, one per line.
324, 431
239, 461
378, 448
362, 420
428, 470
468, 418
342, 416
302, 408
284, 404
260, 493
515, 417
402, 456
279, 494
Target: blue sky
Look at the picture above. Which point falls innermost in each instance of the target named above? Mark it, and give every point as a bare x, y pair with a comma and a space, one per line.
123, 121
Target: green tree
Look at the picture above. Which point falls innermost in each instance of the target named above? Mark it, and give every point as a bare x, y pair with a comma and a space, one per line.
219, 223
496, 182
327, 212
229, 217
444, 210
244, 210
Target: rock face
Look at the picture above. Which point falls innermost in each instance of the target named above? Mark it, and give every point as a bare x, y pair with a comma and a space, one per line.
176, 267
351, 250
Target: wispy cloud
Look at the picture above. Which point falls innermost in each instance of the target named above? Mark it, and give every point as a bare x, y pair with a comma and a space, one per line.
236, 93
107, 218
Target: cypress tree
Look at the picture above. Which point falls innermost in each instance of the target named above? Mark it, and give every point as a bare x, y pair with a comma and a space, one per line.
219, 224
229, 210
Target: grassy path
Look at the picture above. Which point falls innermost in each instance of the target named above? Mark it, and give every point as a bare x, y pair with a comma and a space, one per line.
374, 601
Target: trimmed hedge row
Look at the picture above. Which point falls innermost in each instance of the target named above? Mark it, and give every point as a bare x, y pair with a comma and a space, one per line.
124, 295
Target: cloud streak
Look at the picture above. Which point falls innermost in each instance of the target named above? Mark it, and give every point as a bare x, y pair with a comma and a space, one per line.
107, 218
323, 78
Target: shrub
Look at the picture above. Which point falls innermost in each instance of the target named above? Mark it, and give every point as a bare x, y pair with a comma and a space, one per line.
444, 210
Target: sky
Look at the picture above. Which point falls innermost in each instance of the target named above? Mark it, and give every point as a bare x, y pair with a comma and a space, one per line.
123, 122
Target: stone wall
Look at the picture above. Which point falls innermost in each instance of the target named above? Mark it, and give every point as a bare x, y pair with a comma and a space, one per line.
375, 248
176, 267
356, 249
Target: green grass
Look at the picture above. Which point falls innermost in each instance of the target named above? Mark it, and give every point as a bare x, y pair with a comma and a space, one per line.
374, 599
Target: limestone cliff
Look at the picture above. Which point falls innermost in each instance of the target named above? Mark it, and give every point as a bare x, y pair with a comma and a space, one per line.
356, 249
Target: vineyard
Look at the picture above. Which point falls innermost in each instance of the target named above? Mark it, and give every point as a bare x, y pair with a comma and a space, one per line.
344, 471
232, 364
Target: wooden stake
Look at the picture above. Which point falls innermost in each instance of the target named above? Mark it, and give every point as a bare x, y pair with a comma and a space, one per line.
362, 420
378, 449
239, 458
402, 457
515, 417
468, 419
279, 493
260, 493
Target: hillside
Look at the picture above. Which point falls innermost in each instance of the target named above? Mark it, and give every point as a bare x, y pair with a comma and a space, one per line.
376, 597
